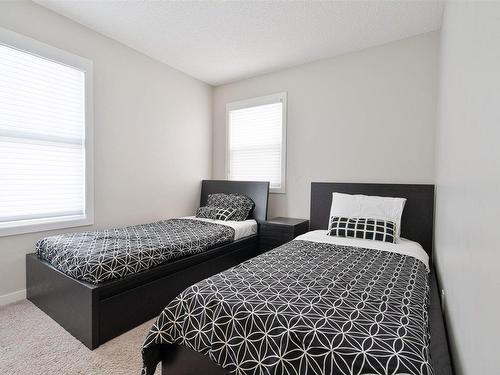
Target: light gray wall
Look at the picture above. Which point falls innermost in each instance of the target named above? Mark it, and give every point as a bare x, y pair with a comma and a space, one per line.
367, 116
152, 140
468, 183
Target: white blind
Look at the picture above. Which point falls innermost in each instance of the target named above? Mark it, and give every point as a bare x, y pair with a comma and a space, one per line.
42, 138
255, 144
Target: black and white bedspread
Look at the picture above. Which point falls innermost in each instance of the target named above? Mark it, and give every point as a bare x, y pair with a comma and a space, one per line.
103, 255
305, 308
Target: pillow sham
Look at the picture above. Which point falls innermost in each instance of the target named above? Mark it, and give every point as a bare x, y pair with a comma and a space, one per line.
241, 203
206, 212
215, 213
363, 228
366, 206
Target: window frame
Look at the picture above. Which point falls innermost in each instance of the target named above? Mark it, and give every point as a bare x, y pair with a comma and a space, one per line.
254, 102
34, 47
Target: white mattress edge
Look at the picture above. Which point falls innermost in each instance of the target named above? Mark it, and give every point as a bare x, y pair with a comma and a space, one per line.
403, 246
242, 229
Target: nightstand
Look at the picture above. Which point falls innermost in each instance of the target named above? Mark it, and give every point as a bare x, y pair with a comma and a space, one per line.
279, 230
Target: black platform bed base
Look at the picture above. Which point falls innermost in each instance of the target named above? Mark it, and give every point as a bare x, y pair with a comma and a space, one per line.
95, 314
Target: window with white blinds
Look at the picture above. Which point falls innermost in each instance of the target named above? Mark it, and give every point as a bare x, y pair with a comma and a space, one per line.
44, 125
256, 141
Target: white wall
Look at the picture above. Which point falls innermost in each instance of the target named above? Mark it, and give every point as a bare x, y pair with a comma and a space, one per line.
468, 183
153, 133
367, 116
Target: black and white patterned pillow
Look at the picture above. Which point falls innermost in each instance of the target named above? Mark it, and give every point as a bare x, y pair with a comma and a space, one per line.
241, 203
216, 213
206, 212
225, 214
363, 228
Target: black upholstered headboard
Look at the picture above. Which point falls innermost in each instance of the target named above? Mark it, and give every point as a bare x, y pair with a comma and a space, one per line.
258, 191
417, 222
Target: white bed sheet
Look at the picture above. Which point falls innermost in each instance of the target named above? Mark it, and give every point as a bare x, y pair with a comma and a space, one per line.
242, 229
403, 246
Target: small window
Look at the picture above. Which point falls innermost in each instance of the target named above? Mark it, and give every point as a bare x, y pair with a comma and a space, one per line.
256, 140
45, 137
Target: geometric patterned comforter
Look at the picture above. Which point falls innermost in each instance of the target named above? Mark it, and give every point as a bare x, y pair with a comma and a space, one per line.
102, 255
305, 308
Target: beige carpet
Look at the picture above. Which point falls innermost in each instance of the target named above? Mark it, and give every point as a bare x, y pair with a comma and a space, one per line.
32, 343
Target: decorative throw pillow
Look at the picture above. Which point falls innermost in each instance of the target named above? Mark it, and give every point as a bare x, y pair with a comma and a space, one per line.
241, 203
215, 213
224, 214
363, 228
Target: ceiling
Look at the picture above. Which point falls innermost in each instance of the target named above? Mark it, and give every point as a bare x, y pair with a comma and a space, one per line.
224, 41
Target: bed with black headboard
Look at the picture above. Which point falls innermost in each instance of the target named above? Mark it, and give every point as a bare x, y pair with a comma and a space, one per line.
183, 352
97, 312
417, 224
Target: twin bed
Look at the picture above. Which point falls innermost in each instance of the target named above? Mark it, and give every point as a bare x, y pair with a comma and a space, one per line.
320, 304
100, 284
317, 305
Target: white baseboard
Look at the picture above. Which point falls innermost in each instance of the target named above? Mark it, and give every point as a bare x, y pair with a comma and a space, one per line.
13, 297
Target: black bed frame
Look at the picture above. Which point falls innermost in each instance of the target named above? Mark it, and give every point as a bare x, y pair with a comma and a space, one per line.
417, 224
95, 314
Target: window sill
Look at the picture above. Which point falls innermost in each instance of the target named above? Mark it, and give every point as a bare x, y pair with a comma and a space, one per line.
41, 225
277, 191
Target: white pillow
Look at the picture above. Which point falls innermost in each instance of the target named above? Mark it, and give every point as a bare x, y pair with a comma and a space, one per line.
372, 207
